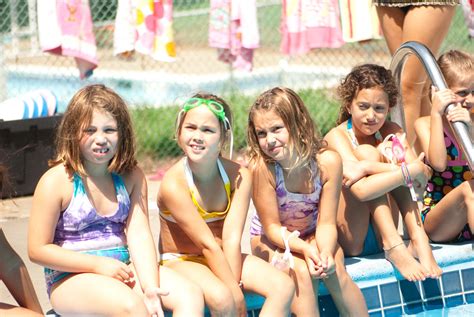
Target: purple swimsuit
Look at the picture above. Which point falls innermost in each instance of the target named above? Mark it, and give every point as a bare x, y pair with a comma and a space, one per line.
297, 211
80, 228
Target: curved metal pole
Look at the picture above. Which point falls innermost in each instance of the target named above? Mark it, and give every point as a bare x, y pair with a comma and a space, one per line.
423, 54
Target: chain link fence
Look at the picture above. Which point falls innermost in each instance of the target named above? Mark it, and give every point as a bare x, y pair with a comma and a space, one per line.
153, 88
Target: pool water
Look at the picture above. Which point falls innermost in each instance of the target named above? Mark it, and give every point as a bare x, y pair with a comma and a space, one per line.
463, 310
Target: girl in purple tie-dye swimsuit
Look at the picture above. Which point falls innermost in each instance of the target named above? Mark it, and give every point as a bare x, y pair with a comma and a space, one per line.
296, 187
89, 220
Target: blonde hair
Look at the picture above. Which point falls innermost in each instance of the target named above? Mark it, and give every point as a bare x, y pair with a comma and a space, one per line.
457, 67
78, 116
303, 138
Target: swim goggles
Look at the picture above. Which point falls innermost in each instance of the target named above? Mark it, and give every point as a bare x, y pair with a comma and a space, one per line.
216, 108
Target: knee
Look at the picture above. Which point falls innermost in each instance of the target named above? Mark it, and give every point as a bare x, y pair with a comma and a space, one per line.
468, 193
282, 287
132, 306
301, 272
221, 301
367, 152
191, 297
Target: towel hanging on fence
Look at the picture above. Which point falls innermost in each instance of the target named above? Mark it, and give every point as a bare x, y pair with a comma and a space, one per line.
145, 26
233, 30
359, 21
65, 28
308, 24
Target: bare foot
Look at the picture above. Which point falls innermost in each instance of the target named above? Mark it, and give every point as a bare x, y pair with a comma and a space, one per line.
405, 263
422, 250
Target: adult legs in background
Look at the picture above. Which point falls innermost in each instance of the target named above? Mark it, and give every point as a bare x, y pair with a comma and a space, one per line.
427, 25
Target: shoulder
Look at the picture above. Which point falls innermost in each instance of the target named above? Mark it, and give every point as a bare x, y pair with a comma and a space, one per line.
390, 127
174, 181
133, 178
56, 183
335, 132
235, 170
55, 177
328, 158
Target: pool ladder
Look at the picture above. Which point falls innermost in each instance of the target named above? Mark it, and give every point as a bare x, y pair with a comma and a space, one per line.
460, 129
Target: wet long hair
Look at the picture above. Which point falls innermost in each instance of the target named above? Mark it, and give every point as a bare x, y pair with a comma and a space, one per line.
304, 141
365, 76
78, 116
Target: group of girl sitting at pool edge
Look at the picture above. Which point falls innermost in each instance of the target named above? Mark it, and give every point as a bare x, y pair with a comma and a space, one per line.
315, 199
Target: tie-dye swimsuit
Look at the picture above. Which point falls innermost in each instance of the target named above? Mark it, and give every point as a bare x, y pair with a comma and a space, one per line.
297, 211
441, 183
80, 228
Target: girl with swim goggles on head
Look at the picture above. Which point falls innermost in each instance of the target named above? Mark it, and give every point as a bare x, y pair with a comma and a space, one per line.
203, 202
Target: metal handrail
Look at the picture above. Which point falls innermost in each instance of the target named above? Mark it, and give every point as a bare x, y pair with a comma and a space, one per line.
461, 131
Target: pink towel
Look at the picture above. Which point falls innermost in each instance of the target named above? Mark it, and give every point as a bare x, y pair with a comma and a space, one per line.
233, 33
308, 24
468, 10
65, 28
147, 27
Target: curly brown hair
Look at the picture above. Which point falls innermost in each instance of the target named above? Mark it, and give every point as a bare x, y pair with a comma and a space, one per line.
365, 76
304, 139
78, 115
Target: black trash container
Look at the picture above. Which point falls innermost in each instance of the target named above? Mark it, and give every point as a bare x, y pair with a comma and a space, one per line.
25, 148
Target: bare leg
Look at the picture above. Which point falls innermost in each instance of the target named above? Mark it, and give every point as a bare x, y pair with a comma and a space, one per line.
184, 298
396, 252
277, 287
14, 274
427, 25
353, 218
217, 295
94, 294
345, 293
305, 300
419, 242
449, 216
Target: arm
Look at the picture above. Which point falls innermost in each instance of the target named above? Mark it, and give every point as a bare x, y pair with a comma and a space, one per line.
14, 274
265, 201
174, 196
430, 129
235, 221
326, 233
140, 242
46, 207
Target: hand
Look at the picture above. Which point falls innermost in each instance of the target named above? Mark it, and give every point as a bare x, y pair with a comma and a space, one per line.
352, 171
328, 264
115, 269
459, 113
152, 299
419, 171
440, 99
314, 262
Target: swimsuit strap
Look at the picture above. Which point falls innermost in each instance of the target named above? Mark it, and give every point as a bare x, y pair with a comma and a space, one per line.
352, 137
208, 215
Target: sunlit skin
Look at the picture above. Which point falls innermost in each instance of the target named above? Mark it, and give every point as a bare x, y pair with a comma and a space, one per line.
99, 139
444, 222
273, 136
369, 177
200, 134
369, 110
